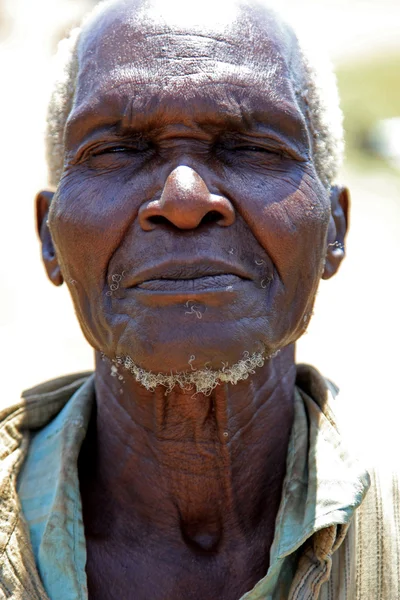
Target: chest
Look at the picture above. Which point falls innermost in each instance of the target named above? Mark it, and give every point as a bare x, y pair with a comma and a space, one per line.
163, 574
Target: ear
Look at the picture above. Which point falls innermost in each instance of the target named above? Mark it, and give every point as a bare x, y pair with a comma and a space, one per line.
338, 226
43, 200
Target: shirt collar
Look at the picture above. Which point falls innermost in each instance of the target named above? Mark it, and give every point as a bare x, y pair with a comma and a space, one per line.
323, 486
49, 492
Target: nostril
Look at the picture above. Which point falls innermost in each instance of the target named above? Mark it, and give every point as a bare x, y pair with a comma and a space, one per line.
158, 220
212, 216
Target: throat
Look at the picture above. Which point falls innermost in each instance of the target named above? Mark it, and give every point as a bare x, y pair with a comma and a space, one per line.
198, 476
201, 474
202, 536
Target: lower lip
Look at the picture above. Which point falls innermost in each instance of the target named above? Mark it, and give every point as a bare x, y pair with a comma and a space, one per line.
210, 283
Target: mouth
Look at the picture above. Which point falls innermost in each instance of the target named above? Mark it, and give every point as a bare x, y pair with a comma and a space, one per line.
187, 277
222, 281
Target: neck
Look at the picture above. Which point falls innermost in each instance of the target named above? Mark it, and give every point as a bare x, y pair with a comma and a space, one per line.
204, 471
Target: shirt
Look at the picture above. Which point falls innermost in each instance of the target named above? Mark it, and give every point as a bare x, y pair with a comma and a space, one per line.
313, 554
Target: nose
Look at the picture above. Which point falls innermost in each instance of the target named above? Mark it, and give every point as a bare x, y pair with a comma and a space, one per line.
185, 203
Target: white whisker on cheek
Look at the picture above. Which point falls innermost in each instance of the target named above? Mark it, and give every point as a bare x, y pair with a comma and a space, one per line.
116, 280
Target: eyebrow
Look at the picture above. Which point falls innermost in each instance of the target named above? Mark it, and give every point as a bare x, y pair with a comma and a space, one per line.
242, 112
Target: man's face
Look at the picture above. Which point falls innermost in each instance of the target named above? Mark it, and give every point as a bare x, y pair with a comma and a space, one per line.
189, 221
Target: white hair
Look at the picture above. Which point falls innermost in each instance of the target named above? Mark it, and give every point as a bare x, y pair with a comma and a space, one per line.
202, 381
314, 83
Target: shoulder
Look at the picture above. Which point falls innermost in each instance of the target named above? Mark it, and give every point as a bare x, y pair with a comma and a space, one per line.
321, 390
378, 537
367, 563
39, 404
35, 409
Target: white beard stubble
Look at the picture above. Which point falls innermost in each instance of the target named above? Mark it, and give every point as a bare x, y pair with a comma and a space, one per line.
203, 381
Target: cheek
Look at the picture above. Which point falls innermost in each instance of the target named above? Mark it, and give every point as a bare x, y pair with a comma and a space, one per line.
89, 218
289, 215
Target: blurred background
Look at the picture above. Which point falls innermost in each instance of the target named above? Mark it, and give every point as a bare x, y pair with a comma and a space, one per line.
354, 335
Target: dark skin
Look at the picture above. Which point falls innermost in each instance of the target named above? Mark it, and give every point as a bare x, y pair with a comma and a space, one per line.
188, 170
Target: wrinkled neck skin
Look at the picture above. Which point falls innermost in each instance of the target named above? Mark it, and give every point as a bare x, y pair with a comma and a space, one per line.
204, 473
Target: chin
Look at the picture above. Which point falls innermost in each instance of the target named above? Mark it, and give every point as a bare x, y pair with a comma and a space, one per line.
187, 347
174, 337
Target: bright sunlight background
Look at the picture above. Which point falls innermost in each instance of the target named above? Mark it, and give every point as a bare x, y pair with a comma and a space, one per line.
354, 336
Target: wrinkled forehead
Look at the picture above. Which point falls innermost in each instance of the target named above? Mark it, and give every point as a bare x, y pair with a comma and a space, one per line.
172, 43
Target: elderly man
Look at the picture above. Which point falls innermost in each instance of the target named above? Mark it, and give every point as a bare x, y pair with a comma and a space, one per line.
193, 154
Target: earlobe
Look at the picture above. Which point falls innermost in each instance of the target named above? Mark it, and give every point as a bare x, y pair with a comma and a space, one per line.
43, 200
338, 226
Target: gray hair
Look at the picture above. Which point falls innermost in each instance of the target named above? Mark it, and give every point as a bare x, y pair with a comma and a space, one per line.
315, 87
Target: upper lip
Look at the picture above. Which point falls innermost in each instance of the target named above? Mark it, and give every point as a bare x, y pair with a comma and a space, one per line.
188, 269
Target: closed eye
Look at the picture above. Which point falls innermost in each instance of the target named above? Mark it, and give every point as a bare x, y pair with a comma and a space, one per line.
263, 149
231, 146
115, 155
118, 149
